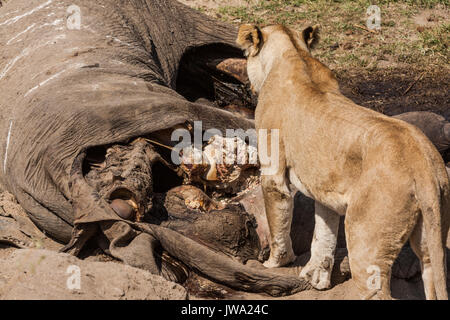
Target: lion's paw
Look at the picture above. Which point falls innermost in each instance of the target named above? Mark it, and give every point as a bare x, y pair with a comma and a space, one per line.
279, 260
318, 274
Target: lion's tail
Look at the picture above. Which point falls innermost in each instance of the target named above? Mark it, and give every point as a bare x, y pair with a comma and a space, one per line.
434, 203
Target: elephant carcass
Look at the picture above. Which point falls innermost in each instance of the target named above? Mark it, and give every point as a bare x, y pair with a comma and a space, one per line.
125, 180
79, 75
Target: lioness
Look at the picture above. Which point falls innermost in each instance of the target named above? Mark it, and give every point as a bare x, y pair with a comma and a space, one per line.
382, 173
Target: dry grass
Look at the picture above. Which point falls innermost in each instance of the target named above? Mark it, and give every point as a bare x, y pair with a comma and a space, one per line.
412, 32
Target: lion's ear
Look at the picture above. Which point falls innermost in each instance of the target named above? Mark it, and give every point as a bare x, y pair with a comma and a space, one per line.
311, 36
250, 39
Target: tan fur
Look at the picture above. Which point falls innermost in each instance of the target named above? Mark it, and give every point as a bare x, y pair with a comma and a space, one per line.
382, 173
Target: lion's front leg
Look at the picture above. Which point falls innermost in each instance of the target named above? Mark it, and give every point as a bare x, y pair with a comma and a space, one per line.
278, 204
318, 270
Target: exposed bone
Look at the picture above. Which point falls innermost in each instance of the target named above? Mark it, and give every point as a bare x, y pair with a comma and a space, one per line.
226, 164
194, 198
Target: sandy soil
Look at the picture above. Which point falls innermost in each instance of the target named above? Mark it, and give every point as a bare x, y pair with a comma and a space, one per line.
48, 275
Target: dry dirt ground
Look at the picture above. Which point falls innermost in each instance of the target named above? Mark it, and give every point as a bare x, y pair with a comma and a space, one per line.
43, 274
402, 68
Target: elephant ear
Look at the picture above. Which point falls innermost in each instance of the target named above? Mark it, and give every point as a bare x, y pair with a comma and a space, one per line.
250, 39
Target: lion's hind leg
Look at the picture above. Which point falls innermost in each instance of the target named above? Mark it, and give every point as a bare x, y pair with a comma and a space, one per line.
420, 248
377, 225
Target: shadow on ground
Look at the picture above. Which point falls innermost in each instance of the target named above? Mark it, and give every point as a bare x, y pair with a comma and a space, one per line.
395, 91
